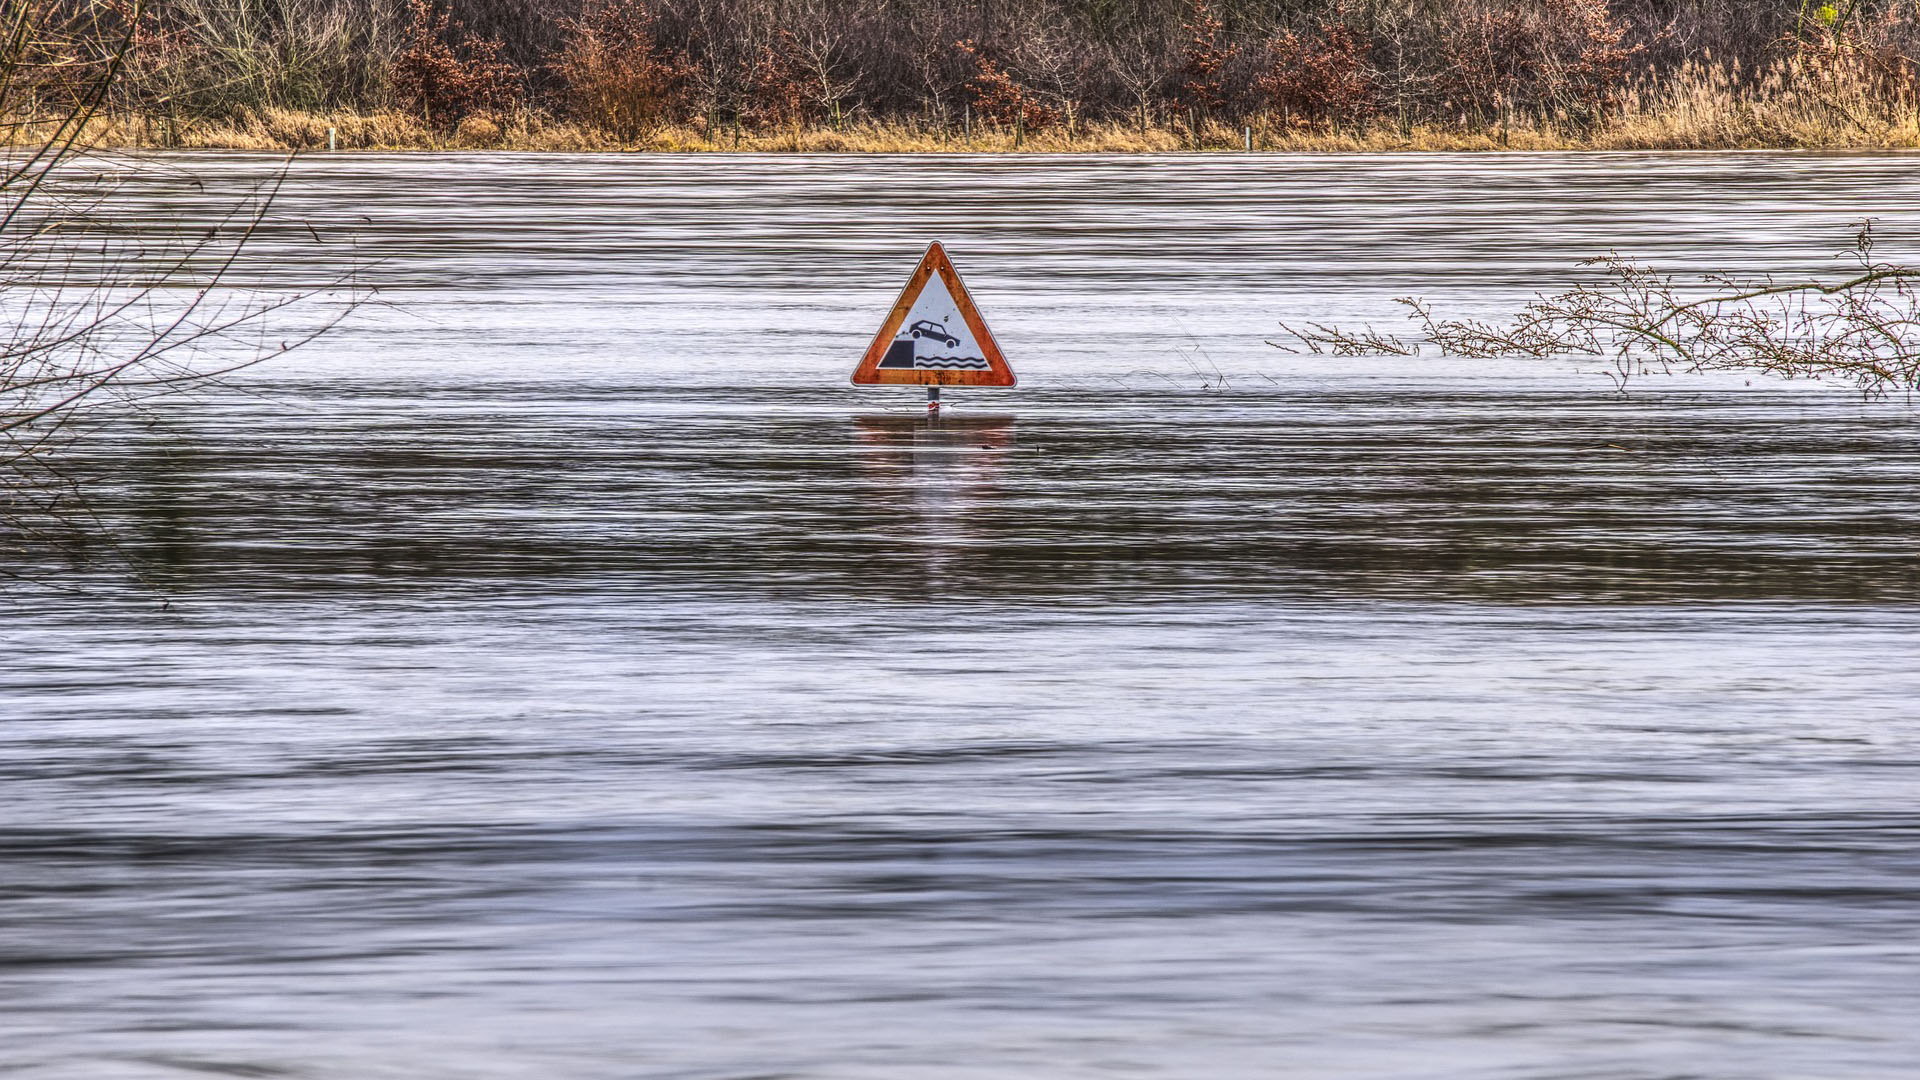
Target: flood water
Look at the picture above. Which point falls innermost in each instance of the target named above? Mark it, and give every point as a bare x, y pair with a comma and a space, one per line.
558, 671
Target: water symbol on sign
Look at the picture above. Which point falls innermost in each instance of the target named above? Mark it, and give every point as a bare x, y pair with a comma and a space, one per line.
926, 344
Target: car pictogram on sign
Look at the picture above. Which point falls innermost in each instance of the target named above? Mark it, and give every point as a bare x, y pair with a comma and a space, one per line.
929, 328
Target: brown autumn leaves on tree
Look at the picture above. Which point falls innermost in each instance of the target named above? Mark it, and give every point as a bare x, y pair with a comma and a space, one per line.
445, 75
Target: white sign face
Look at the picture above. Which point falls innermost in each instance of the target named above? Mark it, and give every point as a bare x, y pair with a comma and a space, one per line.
934, 337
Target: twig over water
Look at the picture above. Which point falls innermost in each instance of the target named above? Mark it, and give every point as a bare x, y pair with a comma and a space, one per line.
1863, 330
102, 303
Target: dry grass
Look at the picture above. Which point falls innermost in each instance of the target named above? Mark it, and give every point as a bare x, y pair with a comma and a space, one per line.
1706, 107
1700, 107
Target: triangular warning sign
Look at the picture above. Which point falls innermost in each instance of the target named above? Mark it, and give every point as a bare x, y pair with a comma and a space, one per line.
934, 334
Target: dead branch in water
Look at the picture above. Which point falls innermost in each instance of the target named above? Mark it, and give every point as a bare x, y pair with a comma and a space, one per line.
1321, 340
103, 300
1864, 330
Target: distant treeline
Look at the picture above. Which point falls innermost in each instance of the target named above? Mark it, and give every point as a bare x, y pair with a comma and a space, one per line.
625, 66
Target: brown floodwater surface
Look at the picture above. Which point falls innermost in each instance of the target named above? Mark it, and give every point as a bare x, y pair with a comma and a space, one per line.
559, 671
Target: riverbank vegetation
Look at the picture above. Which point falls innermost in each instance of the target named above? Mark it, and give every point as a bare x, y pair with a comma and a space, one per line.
929, 75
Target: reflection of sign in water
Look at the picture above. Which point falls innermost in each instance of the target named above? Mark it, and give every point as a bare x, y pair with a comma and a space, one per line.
934, 334
945, 471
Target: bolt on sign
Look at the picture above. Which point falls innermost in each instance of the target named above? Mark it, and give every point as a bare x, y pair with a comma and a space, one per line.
934, 335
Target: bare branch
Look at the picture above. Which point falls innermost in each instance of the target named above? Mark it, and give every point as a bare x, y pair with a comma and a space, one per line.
1860, 330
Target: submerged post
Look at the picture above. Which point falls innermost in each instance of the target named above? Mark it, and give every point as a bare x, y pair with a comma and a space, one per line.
933, 400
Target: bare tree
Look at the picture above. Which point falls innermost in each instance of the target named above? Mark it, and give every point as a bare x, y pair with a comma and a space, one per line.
1057, 61
939, 66
93, 313
722, 41
1142, 60
822, 36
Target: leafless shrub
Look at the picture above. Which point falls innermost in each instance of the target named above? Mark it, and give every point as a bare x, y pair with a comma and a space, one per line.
824, 45
94, 314
1206, 54
1863, 330
1142, 63
214, 57
1057, 64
